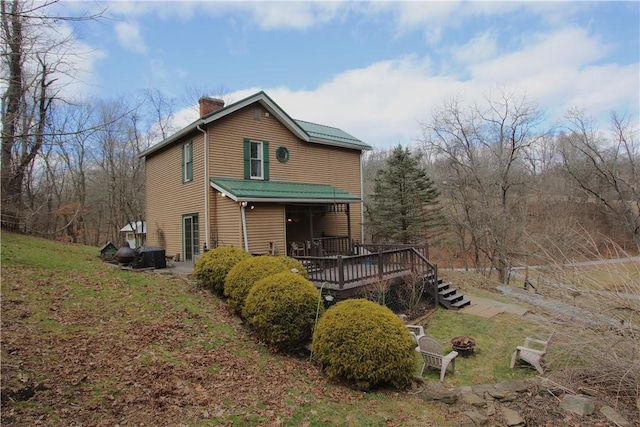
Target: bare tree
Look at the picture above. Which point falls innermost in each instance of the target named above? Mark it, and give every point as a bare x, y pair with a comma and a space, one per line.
605, 168
34, 58
484, 149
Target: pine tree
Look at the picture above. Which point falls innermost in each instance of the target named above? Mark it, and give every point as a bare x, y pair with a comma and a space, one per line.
404, 206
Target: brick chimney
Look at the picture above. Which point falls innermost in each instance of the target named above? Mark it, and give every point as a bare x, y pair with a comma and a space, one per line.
209, 105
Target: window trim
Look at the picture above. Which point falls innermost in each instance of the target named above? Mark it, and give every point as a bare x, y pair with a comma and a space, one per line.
264, 160
260, 158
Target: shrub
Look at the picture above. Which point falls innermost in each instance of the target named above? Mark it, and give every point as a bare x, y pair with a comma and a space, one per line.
282, 309
212, 266
364, 343
244, 274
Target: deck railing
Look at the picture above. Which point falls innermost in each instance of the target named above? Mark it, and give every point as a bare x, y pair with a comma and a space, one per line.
360, 270
331, 245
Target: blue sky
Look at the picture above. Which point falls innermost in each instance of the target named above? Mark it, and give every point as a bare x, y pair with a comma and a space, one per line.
374, 69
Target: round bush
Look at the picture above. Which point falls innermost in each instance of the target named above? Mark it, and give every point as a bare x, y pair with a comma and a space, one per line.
243, 275
364, 343
212, 266
282, 310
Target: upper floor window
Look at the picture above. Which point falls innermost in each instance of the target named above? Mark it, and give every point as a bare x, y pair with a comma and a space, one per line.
187, 162
256, 159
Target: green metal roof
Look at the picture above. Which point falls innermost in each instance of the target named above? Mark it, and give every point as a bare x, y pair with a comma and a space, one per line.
329, 133
248, 190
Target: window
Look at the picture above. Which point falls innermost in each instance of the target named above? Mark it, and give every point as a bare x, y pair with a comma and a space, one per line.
282, 154
256, 159
187, 162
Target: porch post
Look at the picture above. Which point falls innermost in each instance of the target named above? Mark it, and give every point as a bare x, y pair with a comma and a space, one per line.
340, 266
350, 248
311, 249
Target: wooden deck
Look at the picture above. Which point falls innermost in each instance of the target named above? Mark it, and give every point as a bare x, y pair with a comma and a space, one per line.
348, 273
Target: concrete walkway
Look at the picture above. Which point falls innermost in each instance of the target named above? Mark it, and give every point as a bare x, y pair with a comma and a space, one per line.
183, 267
489, 308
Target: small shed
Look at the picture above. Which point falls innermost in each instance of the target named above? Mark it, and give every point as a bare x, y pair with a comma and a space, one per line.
135, 233
108, 251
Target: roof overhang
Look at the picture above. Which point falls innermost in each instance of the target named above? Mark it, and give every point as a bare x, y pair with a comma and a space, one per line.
245, 190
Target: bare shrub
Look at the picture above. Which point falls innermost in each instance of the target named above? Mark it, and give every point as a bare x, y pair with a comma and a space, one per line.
597, 340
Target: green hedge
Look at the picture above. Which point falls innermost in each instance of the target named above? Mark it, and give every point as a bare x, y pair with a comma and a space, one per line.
365, 343
212, 267
243, 275
282, 310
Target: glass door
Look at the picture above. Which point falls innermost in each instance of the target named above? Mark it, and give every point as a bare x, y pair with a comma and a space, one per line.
190, 236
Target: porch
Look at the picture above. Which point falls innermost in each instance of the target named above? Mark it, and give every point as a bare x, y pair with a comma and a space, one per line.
347, 269
337, 264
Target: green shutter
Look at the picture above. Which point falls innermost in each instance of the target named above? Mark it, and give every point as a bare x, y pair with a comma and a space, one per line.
190, 161
247, 159
265, 160
182, 174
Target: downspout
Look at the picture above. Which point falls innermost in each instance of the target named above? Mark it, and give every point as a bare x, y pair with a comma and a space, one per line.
206, 186
362, 196
243, 206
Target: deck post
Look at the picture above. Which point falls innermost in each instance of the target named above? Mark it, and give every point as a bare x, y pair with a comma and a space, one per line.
340, 272
380, 264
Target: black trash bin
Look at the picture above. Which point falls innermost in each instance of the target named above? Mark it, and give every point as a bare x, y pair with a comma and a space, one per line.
150, 257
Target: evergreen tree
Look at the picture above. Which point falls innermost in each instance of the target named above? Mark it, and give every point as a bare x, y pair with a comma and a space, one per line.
404, 206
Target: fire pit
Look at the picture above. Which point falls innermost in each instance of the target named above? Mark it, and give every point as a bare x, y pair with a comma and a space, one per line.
463, 345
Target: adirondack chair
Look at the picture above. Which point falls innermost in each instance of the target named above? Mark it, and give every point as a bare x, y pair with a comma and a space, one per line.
431, 351
416, 331
531, 352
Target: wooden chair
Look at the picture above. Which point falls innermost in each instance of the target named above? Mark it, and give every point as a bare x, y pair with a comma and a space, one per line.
431, 351
297, 250
417, 331
531, 352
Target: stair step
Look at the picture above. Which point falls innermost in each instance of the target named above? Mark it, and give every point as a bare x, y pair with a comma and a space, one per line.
454, 297
462, 303
443, 285
447, 292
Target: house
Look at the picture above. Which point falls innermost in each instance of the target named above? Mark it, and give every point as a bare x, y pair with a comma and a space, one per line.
249, 175
134, 233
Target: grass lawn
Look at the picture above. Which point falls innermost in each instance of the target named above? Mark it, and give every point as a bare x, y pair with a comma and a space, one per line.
84, 342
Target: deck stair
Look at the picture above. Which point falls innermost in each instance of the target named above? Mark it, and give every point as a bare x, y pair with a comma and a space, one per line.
449, 297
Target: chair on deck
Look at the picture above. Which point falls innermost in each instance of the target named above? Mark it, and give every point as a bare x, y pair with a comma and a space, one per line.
297, 250
431, 351
531, 352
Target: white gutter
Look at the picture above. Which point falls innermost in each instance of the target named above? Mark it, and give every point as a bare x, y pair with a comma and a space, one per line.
206, 186
243, 206
362, 198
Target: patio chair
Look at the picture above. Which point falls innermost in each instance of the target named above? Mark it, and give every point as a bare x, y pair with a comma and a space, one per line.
416, 331
431, 351
531, 352
297, 250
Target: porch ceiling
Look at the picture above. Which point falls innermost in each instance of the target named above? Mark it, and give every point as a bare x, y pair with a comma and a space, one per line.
244, 190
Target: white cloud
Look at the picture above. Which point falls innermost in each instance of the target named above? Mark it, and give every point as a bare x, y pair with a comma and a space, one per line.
383, 103
129, 36
482, 47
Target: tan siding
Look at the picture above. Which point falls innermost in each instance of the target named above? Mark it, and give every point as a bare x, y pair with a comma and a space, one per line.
308, 162
168, 198
228, 214
265, 224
